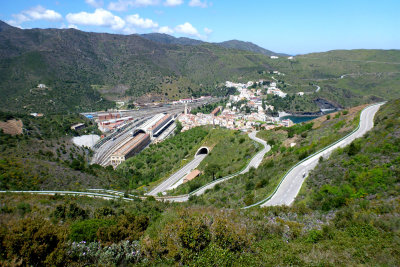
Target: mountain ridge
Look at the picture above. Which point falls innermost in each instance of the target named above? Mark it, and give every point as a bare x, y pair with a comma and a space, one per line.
81, 69
230, 44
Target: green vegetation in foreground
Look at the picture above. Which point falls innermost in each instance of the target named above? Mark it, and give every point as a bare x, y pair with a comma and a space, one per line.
162, 159
258, 183
231, 152
345, 230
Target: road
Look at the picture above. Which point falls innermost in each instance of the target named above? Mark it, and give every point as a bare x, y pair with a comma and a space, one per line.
103, 153
292, 182
174, 178
286, 191
254, 162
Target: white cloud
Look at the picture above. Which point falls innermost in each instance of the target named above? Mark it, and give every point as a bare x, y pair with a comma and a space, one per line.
166, 30
129, 30
123, 5
95, 3
100, 17
188, 29
173, 2
137, 21
73, 26
35, 13
39, 13
198, 3
207, 30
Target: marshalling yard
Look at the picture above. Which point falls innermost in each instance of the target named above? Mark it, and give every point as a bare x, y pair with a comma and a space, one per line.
128, 132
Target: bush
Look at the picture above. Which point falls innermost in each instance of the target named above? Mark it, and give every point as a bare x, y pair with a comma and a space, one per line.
229, 236
353, 149
32, 241
194, 233
23, 208
93, 253
87, 230
314, 236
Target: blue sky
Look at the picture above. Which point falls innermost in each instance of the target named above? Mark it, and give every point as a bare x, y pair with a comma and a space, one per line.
290, 26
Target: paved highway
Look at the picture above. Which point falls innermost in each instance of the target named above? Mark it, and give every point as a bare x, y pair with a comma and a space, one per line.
254, 162
103, 153
291, 184
174, 178
287, 190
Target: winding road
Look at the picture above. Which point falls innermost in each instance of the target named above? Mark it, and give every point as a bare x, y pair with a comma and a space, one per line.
291, 184
177, 176
284, 194
254, 163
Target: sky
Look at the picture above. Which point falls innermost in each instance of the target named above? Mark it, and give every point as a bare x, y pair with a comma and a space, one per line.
288, 26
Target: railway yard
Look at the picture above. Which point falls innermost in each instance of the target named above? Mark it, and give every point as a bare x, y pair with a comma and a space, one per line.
130, 131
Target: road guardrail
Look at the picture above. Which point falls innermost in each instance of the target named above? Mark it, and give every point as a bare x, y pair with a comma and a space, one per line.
303, 160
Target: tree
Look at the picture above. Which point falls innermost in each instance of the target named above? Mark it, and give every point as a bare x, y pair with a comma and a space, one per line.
178, 127
211, 170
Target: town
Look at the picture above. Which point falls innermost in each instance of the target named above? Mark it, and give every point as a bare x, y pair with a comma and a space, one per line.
246, 110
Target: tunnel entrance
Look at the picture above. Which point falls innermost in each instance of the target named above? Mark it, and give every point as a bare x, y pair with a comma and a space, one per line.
138, 131
202, 151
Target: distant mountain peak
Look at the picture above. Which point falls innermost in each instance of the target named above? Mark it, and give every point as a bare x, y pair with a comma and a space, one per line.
231, 44
164, 38
248, 46
5, 26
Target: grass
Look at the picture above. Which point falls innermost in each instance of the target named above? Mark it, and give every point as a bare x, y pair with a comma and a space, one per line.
369, 166
231, 152
44, 157
346, 215
160, 160
254, 186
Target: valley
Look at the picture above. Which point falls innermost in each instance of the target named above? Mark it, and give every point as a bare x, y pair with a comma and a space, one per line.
130, 136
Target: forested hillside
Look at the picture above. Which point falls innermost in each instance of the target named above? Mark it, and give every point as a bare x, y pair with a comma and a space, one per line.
79, 67
83, 71
346, 215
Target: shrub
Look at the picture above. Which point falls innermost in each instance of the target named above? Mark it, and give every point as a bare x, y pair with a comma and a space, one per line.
87, 230
23, 208
32, 241
229, 236
93, 253
353, 149
314, 236
194, 233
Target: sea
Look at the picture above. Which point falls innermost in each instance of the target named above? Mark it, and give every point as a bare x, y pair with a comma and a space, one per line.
300, 119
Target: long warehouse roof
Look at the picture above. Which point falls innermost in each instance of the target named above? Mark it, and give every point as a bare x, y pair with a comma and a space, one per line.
124, 149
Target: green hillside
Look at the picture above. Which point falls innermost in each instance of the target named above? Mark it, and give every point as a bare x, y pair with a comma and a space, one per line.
82, 69
368, 75
346, 215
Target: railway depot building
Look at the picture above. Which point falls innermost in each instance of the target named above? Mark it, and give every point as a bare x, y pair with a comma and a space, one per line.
130, 148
